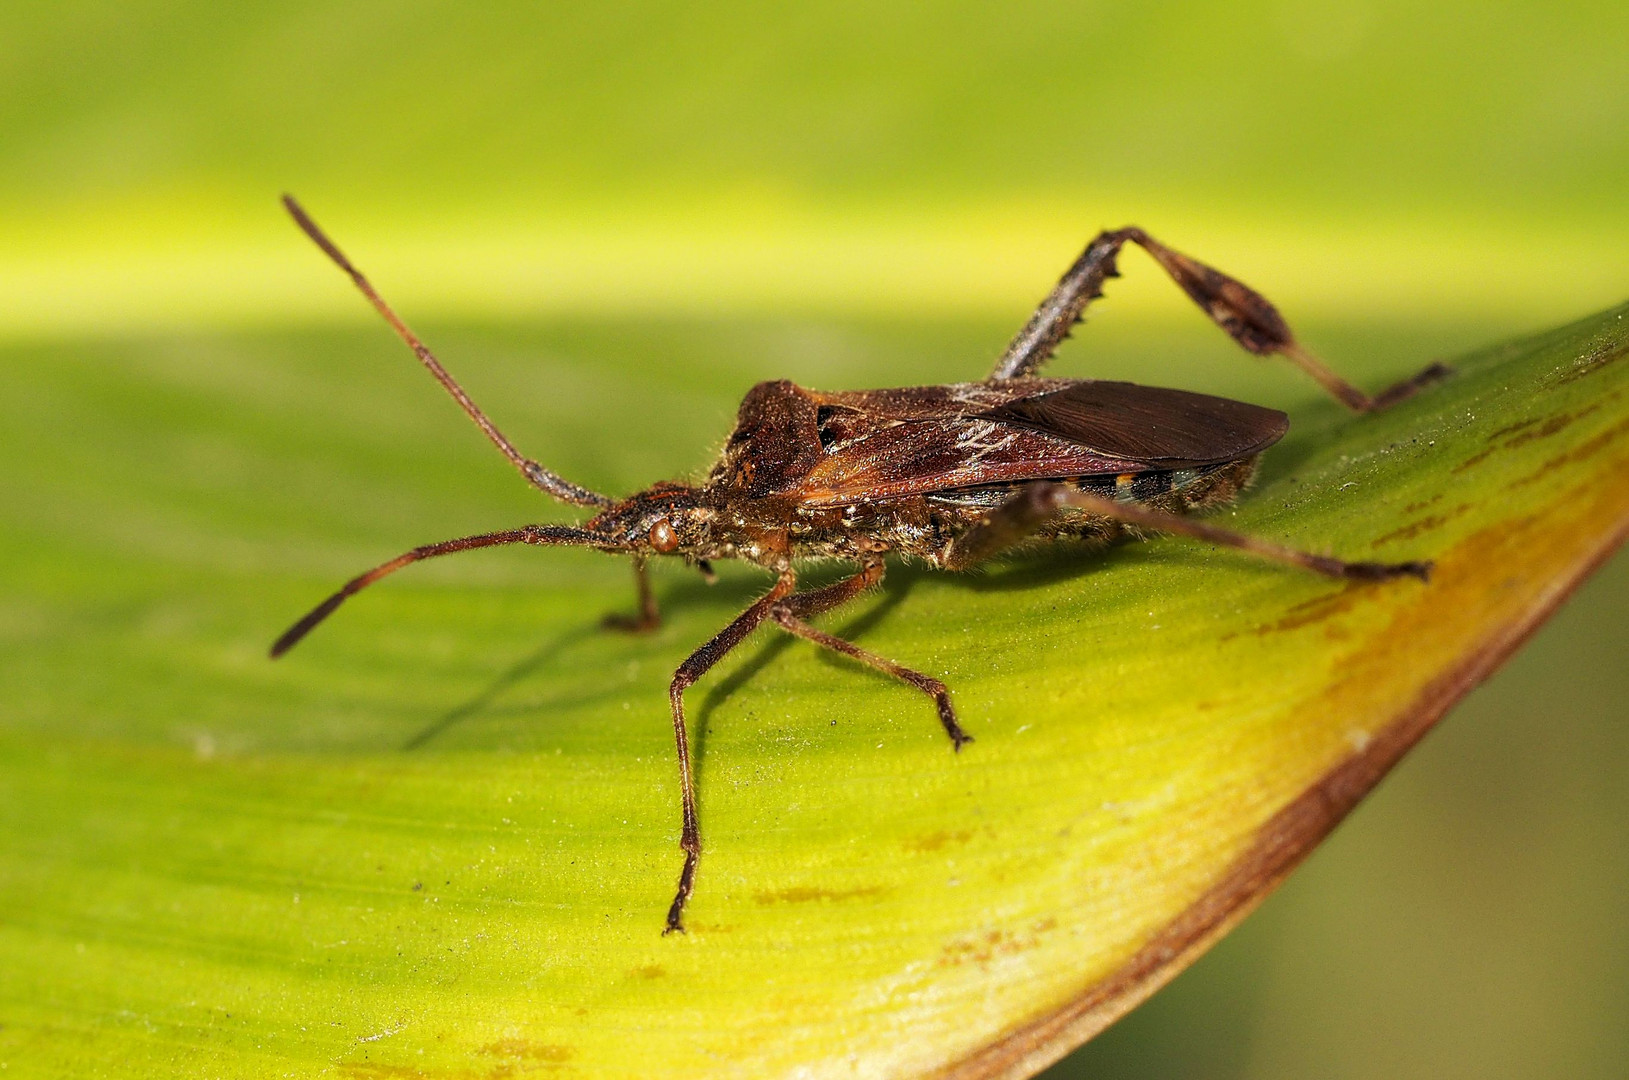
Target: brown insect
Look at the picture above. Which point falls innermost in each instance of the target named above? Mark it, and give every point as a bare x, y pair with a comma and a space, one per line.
950, 475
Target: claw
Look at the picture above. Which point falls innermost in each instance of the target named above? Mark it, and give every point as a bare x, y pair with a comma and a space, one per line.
687, 880
1369, 571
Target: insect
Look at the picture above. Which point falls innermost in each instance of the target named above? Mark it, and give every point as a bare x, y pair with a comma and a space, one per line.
948, 475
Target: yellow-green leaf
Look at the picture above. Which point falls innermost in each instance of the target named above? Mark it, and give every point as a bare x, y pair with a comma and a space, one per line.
440, 837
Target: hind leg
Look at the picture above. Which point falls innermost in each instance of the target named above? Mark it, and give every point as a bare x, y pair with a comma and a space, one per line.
1036, 504
1245, 314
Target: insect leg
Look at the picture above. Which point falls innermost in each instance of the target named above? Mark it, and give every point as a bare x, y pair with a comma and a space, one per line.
694, 667
1037, 503
1245, 314
648, 618
526, 534
1063, 307
540, 477
815, 601
789, 615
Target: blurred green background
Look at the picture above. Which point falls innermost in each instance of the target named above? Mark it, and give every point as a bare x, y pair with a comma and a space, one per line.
811, 191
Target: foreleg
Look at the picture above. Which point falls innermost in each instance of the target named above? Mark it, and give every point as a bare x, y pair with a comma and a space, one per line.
697, 665
649, 618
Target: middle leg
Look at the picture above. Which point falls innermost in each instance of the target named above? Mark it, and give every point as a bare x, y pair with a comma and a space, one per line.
790, 614
694, 667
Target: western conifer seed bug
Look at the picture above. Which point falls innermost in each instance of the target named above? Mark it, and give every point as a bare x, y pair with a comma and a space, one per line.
949, 475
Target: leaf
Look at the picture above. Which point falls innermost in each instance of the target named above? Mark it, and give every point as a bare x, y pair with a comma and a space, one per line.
439, 839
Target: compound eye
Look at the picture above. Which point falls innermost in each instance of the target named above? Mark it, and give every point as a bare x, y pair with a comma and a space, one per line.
662, 536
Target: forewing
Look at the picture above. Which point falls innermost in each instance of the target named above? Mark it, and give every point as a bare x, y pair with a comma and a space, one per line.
888, 444
921, 456
1167, 429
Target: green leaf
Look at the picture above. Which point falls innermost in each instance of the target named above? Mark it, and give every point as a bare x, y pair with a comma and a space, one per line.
440, 837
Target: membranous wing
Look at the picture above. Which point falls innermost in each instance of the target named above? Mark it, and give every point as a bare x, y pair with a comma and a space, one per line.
883, 444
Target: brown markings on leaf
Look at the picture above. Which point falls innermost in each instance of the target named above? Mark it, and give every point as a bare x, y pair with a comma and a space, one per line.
1582, 452
1475, 459
982, 948
804, 894
1416, 507
1525, 431
1315, 610
1425, 524
1555, 550
648, 971
1554, 425
935, 841
523, 1056
1589, 447
1592, 362
1511, 429
529, 1050
1319, 608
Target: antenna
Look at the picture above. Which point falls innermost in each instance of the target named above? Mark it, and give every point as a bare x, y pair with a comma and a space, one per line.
540, 477
526, 534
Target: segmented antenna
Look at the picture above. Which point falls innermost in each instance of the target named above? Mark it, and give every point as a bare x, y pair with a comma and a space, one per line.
540, 477
526, 534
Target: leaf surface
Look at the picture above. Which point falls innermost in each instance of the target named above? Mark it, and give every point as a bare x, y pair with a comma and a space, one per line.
439, 838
